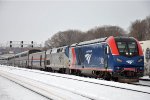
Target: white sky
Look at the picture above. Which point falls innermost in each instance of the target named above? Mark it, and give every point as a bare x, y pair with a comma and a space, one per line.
39, 20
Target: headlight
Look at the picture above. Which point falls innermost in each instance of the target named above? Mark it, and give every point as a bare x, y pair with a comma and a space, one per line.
119, 60
118, 68
140, 60
141, 68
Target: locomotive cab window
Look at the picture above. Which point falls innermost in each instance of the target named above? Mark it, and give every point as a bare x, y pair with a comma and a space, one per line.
127, 47
122, 47
133, 48
50, 51
59, 50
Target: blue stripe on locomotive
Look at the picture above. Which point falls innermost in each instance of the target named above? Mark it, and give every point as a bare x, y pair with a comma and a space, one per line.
67, 51
90, 56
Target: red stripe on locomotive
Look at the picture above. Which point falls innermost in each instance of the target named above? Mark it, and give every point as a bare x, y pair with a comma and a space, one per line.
111, 42
73, 56
139, 48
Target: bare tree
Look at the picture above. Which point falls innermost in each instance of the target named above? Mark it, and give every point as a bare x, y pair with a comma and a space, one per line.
65, 38
140, 29
104, 31
75, 36
147, 21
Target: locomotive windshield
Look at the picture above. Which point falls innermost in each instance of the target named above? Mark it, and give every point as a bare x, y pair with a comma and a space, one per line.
127, 46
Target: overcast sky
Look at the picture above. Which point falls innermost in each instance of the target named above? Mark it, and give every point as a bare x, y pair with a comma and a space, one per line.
37, 21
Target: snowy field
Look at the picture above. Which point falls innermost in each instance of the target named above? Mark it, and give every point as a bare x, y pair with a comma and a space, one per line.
71, 87
11, 91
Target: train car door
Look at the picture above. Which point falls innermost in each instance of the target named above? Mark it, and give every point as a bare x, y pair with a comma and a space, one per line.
31, 62
40, 60
106, 56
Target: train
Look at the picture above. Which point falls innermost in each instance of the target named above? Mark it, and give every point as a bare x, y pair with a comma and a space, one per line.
146, 51
110, 58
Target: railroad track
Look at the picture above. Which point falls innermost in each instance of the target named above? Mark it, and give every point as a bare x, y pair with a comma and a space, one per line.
145, 80
142, 82
139, 84
70, 78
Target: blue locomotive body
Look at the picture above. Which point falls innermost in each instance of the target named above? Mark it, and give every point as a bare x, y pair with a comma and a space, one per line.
91, 56
110, 57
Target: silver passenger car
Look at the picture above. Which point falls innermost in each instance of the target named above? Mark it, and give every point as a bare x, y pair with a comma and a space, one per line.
37, 60
21, 59
57, 59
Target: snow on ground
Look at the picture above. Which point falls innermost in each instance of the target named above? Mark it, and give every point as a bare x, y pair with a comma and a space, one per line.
96, 91
11, 91
145, 77
144, 82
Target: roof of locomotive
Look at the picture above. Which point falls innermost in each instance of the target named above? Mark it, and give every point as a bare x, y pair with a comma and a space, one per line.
54, 50
90, 42
122, 38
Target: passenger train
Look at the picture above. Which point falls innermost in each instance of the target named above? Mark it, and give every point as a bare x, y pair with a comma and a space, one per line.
108, 58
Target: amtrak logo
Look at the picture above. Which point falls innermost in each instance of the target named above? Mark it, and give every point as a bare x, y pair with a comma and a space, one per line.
130, 61
88, 57
101, 60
